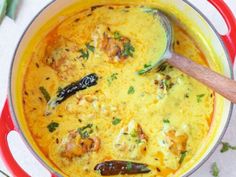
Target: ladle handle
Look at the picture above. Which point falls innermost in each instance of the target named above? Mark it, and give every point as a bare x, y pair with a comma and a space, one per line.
220, 84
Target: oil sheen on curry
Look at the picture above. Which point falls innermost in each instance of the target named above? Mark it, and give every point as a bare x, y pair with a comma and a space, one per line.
92, 109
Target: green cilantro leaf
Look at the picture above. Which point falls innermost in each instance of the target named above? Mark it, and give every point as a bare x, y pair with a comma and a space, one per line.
166, 121
116, 121
112, 78
117, 35
90, 47
131, 90
199, 97
215, 170
85, 131
52, 126
183, 155
146, 68
128, 50
84, 54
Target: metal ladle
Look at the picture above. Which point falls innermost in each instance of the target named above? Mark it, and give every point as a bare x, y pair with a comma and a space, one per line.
218, 83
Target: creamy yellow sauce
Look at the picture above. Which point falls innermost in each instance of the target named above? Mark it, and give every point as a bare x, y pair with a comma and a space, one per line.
173, 110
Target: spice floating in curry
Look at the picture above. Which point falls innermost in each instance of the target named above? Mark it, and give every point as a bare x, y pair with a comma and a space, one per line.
155, 122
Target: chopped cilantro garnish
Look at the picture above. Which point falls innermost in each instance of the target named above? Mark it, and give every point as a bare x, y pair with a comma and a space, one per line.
90, 47
112, 78
116, 121
45, 93
138, 141
134, 134
131, 90
226, 147
52, 126
166, 121
117, 35
128, 50
85, 131
182, 157
84, 54
215, 170
199, 97
146, 68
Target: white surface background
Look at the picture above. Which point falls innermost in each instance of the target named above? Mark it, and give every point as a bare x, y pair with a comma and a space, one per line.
10, 33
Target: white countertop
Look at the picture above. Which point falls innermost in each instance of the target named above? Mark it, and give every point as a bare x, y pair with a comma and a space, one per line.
10, 33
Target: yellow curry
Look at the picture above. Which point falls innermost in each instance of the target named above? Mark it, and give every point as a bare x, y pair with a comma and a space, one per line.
92, 109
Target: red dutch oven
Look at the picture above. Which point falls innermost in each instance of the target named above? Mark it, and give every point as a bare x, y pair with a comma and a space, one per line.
224, 45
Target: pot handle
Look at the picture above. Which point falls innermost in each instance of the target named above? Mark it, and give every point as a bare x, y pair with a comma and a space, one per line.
6, 126
230, 38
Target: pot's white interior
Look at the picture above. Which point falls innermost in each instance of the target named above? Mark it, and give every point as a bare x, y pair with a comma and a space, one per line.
195, 25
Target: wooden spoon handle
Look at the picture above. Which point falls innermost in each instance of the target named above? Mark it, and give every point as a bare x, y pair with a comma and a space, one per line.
220, 84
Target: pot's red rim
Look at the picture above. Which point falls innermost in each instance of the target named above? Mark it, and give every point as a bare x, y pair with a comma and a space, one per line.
10, 99
53, 172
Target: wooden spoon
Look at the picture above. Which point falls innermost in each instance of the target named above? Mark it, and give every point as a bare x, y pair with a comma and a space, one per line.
218, 83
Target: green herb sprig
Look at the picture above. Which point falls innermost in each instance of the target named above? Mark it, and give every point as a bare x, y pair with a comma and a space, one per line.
116, 121
84, 53
85, 131
90, 47
52, 126
45, 94
200, 97
128, 50
215, 170
112, 78
131, 90
226, 146
146, 68
166, 121
182, 157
